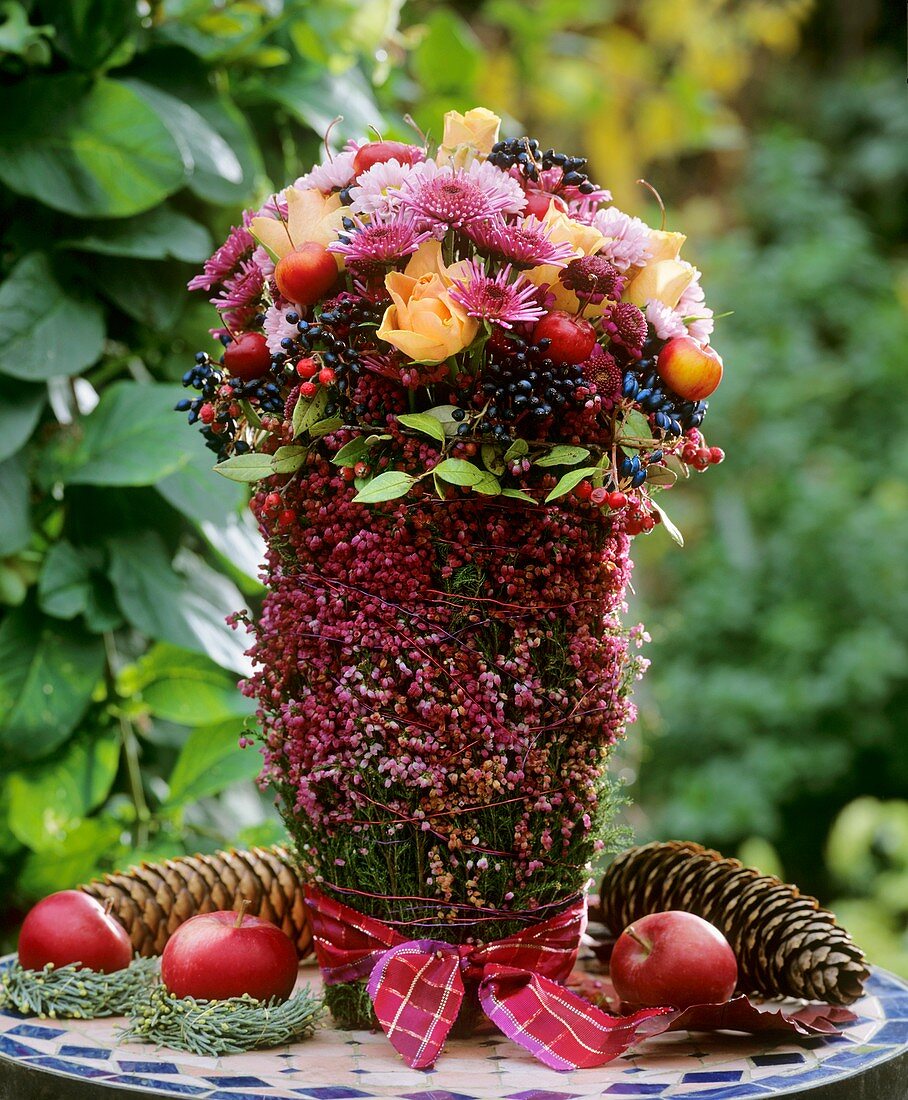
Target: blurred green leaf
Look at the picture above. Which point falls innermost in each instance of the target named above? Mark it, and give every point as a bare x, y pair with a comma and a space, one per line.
150, 291
90, 149
21, 405
210, 761
89, 31
76, 859
160, 234
184, 687
449, 57
193, 491
47, 675
16, 527
43, 331
133, 437
64, 586
18, 36
48, 800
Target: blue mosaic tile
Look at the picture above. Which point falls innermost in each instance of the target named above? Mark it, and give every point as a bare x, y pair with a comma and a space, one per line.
635, 1088
894, 1033
46, 1061
14, 1049
438, 1095
223, 1094
84, 1052
147, 1066
812, 1076
331, 1092
790, 1058
177, 1088
542, 1094
237, 1082
32, 1031
732, 1092
897, 1007
712, 1076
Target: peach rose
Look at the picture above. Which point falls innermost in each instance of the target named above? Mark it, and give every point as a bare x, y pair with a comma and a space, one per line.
311, 216
663, 281
424, 321
468, 136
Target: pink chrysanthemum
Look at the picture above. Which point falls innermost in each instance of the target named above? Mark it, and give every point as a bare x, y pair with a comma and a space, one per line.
241, 295
580, 206
628, 238
626, 326
450, 198
371, 248
277, 327
495, 299
524, 243
377, 190
665, 322
692, 306
330, 175
593, 278
227, 258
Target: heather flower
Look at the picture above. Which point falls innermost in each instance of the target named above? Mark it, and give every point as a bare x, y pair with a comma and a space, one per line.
452, 198
496, 299
524, 243
277, 327
377, 190
627, 239
227, 259
330, 175
370, 248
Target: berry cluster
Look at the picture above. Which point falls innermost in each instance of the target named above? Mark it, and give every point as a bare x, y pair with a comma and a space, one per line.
671, 413
526, 155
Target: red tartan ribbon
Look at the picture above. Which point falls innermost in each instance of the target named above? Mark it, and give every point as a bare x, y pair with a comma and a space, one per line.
418, 986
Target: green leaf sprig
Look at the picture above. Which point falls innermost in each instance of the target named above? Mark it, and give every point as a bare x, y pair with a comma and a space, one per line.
59, 992
231, 1026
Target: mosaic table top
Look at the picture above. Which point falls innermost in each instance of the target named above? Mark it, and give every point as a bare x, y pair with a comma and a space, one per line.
337, 1065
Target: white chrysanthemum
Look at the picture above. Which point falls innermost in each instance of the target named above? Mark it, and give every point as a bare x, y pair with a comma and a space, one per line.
377, 190
330, 174
627, 243
277, 328
664, 320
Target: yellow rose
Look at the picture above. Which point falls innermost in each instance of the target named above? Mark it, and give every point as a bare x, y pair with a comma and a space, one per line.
583, 239
665, 281
311, 216
664, 246
424, 321
468, 136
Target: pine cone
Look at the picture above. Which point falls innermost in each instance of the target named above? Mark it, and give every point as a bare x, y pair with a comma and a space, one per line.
785, 944
153, 900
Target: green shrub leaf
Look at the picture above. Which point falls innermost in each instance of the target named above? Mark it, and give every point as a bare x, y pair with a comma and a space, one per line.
387, 486
563, 456
571, 479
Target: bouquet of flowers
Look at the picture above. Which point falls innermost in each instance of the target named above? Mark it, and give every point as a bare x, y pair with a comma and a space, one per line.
457, 381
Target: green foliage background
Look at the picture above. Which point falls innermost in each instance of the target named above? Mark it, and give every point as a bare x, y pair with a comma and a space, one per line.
771, 722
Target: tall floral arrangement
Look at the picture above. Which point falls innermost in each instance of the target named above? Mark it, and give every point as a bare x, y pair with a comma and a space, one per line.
458, 381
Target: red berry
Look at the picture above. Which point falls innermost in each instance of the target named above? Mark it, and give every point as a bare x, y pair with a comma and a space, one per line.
348, 473
306, 274
287, 517
247, 357
308, 389
571, 338
716, 455
633, 526
583, 491
617, 500
377, 152
689, 452
326, 376
273, 501
206, 413
701, 458
361, 469
647, 523
307, 368
599, 496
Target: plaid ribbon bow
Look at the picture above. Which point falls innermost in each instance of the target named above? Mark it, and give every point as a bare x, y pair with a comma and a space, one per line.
418, 986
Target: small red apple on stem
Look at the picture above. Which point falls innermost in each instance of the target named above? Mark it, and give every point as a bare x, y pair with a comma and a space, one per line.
247, 356
538, 204
306, 274
378, 152
71, 927
673, 958
214, 956
692, 371
571, 338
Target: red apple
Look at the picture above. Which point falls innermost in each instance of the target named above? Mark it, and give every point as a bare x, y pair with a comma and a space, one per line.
214, 956
692, 371
71, 927
377, 152
306, 274
247, 357
673, 958
572, 338
538, 203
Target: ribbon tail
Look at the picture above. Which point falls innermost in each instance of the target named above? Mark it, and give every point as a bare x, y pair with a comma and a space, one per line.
417, 991
556, 1026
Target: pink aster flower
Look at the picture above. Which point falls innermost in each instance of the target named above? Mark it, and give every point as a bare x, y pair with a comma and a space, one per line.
377, 190
241, 295
628, 238
227, 258
330, 175
524, 243
451, 198
372, 247
277, 327
664, 320
495, 299
692, 306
